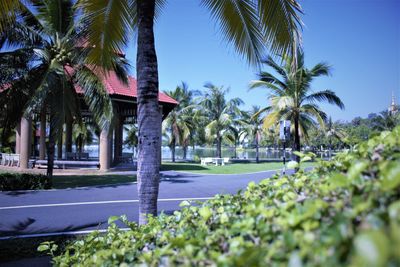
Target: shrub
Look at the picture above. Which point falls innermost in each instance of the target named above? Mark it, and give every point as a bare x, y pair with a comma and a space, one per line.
196, 159
343, 212
23, 181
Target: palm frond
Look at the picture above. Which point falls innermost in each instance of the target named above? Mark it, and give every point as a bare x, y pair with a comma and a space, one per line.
281, 25
109, 25
95, 96
325, 95
239, 23
321, 69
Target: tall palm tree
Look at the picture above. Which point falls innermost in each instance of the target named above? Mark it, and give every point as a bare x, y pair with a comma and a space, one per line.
291, 96
253, 122
131, 139
249, 24
220, 113
386, 121
179, 121
49, 34
334, 131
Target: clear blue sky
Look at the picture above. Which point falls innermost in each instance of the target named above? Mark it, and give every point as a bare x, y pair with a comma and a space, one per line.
359, 38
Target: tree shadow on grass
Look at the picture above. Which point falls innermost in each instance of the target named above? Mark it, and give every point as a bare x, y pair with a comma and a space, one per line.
182, 167
106, 180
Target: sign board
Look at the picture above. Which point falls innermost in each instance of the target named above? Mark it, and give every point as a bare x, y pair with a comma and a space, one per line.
284, 130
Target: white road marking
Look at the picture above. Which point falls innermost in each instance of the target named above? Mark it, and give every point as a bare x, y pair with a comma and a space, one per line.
98, 202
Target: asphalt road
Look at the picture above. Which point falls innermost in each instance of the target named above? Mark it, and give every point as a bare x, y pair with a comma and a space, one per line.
53, 212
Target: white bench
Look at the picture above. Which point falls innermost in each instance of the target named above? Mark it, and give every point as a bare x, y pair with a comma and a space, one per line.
9, 159
205, 161
63, 163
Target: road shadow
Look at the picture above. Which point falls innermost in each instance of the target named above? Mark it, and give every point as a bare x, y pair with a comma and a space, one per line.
21, 228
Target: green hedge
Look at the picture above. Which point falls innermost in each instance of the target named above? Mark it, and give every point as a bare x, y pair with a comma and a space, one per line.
344, 212
23, 181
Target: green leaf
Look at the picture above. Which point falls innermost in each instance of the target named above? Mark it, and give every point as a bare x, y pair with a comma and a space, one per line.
184, 203
205, 212
338, 180
356, 169
372, 248
292, 164
224, 218
113, 219
43, 247
391, 176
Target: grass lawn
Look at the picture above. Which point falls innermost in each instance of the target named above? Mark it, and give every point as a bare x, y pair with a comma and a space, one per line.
233, 168
72, 181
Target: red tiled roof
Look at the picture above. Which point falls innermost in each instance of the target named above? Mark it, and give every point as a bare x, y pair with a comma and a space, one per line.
115, 87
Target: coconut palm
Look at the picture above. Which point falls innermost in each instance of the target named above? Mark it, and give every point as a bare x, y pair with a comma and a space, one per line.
220, 113
386, 121
179, 121
249, 25
236, 132
253, 122
50, 36
291, 96
334, 130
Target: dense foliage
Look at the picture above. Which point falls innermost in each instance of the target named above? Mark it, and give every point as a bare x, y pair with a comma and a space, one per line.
344, 212
23, 181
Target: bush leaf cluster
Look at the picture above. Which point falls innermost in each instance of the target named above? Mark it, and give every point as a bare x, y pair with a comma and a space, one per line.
23, 181
343, 212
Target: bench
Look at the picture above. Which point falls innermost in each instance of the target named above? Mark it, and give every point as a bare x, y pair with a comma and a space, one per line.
216, 161
77, 156
205, 161
126, 158
9, 159
63, 163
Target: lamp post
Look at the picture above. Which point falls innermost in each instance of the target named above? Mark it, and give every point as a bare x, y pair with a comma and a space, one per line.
284, 135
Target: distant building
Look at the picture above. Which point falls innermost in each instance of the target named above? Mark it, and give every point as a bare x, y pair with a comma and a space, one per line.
393, 108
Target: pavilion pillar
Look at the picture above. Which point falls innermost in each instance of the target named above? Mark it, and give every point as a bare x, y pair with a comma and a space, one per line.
42, 137
18, 138
118, 140
105, 149
68, 135
25, 142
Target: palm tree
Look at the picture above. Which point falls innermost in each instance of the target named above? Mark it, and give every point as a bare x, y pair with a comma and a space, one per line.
291, 95
50, 36
334, 130
253, 122
179, 121
82, 134
220, 114
236, 131
131, 139
386, 121
250, 25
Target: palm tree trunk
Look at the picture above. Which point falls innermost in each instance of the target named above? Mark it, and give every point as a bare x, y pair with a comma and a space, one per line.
149, 117
296, 137
173, 150
257, 150
235, 149
51, 148
60, 145
219, 152
184, 151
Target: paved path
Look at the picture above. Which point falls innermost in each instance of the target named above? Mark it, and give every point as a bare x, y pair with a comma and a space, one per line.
83, 209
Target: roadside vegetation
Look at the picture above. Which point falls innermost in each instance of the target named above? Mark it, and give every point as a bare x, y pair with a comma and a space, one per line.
13, 181
343, 212
232, 168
